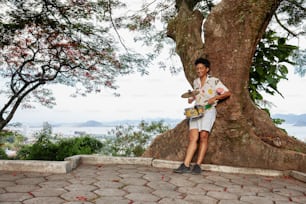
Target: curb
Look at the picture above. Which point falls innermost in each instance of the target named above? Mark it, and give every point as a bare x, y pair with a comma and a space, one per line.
298, 175
36, 166
73, 162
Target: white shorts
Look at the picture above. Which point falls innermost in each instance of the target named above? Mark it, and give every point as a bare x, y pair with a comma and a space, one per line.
205, 122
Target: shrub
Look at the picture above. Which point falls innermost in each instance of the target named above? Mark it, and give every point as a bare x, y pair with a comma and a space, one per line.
42, 149
2, 154
126, 141
47, 147
132, 140
78, 145
24, 152
11, 139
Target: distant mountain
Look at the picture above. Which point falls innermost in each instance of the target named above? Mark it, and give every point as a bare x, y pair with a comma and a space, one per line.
90, 123
296, 120
93, 123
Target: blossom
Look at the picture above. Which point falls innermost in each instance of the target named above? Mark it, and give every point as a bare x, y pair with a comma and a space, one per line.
220, 91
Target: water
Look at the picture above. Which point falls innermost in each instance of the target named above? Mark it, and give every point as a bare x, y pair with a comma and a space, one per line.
70, 130
298, 132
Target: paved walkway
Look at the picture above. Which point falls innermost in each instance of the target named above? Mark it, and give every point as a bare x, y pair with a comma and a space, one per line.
134, 183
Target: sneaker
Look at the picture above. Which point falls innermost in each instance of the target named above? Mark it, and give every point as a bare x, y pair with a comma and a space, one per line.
182, 169
196, 169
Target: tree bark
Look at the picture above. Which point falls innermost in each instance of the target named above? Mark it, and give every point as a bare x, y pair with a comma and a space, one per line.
243, 135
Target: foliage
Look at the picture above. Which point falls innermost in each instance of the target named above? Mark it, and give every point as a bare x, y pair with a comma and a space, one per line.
42, 149
46, 148
4, 134
294, 11
76, 146
132, 140
126, 141
300, 58
24, 152
11, 139
278, 121
2, 154
294, 25
269, 65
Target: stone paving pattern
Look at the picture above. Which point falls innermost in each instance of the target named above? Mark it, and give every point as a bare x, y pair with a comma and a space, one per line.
124, 183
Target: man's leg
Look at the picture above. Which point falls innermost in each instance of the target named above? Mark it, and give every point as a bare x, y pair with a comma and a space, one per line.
192, 146
201, 152
202, 146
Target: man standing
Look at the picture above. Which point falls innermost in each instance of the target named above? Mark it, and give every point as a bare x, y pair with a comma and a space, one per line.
211, 90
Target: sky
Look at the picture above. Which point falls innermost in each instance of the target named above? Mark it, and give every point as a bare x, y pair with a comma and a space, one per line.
294, 96
157, 95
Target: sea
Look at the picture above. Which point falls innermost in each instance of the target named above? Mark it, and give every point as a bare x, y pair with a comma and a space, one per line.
67, 132
298, 132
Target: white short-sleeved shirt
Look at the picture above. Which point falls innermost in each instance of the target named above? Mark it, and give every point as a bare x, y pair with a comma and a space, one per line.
212, 87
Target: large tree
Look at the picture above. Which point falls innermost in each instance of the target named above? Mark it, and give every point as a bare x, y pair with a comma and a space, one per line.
243, 134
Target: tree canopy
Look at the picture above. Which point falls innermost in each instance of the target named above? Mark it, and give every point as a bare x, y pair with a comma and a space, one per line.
75, 43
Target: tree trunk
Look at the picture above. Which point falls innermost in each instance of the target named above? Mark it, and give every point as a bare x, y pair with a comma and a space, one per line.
243, 135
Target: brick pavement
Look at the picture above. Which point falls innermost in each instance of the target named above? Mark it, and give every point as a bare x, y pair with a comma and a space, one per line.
135, 183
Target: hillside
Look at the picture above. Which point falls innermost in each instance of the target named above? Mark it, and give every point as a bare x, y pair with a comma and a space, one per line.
91, 123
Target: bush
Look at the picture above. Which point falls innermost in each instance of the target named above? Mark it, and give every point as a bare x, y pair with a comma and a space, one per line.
42, 149
24, 152
132, 140
126, 141
47, 147
2, 154
45, 150
78, 145
11, 139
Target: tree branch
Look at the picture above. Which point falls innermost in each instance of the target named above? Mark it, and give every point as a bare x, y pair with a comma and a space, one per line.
114, 26
283, 26
15, 106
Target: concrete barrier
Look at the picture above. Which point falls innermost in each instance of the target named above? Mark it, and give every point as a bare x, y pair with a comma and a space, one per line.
242, 170
98, 159
36, 166
298, 175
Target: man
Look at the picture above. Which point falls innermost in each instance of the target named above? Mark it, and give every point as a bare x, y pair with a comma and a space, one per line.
211, 90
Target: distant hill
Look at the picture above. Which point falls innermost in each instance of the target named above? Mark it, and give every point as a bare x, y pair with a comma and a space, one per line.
93, 123
90, 123
296, 120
